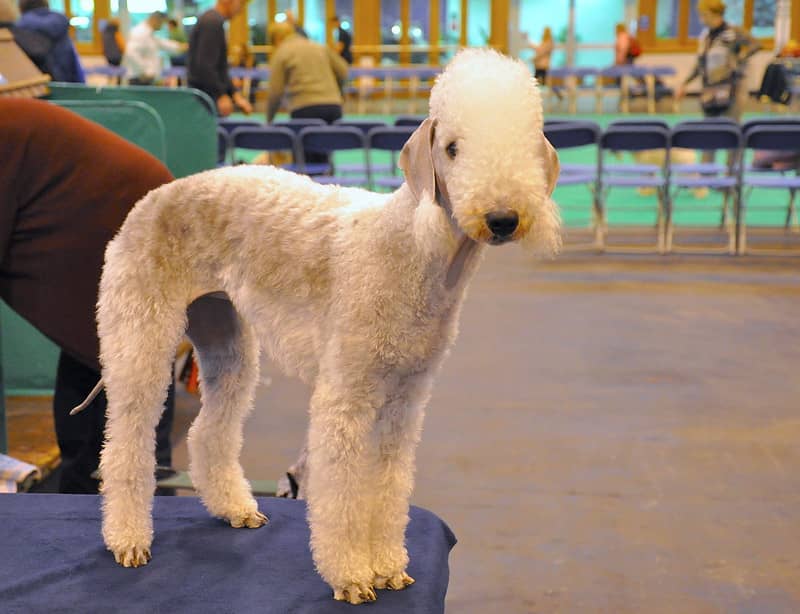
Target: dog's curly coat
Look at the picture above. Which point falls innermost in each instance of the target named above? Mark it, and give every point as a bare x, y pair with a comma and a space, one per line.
356, 293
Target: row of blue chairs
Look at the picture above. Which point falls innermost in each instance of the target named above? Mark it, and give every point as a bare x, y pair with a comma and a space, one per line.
734, 179
299, 138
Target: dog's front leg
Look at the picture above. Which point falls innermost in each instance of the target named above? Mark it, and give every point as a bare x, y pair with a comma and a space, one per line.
341, 451
398, 430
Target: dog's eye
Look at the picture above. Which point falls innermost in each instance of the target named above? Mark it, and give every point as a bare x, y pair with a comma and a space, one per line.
452, 150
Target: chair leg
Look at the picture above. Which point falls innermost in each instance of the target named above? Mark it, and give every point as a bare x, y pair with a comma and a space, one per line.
598, 216
790, 210
660, 222
741, 232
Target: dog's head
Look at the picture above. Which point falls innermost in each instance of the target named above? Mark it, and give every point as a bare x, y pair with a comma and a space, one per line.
481, 153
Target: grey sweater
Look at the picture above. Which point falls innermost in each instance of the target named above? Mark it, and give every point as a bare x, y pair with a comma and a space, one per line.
307, 73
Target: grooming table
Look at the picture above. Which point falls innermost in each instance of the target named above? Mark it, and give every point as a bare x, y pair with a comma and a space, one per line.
52, 559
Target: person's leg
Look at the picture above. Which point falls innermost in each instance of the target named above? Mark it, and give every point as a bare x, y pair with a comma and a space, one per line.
80, 437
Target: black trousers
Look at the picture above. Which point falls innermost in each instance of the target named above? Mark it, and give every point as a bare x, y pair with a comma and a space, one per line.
80, 437
329, 113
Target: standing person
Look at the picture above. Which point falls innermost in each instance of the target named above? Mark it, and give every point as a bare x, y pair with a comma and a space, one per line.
55, 55
113, 42
207, 61
721, 61
178, 34
142, 57
66, 186
542, 54
344, 41
622, 46
308, 73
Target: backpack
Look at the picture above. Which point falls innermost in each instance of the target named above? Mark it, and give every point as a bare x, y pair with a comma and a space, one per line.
634, 48
36, 46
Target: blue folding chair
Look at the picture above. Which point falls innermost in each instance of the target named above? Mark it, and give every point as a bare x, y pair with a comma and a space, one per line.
636, 167
298, 124
223, 146
229, 125
633, 138
389, 139
567, 135
409, 120
267, 139
776, 137
331, 139
365, 125
706, 137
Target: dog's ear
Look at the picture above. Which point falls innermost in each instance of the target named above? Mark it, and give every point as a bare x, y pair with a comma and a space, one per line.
552, 167
416, 161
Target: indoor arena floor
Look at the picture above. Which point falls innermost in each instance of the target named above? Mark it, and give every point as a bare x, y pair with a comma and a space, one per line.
610, 434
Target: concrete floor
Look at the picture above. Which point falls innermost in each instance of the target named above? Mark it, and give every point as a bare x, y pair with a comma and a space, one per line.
610, 434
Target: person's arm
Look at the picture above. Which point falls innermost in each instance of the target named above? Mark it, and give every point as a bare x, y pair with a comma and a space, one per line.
339, 66
170, 46
746, 46
681, 91
277, 84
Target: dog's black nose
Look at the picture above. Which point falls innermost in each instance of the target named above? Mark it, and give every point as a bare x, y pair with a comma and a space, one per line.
502, 223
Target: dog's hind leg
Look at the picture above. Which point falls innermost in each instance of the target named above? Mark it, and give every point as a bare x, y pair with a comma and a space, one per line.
137, 346
227, 353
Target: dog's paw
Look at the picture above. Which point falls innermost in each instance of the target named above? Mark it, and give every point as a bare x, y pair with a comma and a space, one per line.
355, 594
132, 556
251, 520
396, 582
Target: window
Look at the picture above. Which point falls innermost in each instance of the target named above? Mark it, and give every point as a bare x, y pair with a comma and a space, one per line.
419, 29
449, 27
81, 18
666, 24
677, 24
764, 18
478, 22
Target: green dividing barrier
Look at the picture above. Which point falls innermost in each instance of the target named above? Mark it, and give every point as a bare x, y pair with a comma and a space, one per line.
136, 122
189, 118
29, 359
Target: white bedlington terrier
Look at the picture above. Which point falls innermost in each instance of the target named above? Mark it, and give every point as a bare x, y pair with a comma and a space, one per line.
357, 293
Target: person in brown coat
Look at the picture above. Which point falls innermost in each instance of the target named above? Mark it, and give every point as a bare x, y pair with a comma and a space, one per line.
66, 186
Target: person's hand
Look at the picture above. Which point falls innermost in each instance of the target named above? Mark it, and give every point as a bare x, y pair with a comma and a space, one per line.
224, 105
243, 103
680, 92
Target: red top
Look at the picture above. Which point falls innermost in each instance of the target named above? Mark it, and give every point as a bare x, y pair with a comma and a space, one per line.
66, 186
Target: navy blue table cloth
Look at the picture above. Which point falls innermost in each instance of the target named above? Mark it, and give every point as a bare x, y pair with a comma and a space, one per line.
52, 559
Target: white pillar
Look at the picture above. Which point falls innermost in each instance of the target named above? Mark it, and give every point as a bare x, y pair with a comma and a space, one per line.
571, 45
783, 23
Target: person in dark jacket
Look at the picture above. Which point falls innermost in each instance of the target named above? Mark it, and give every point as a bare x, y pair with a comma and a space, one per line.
344, 41
61, 60
207, 60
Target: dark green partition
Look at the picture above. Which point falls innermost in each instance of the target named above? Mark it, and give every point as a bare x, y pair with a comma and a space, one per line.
189, 118
134, 121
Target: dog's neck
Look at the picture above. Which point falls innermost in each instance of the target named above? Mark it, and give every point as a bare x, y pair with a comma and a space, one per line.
465, 254
466, 250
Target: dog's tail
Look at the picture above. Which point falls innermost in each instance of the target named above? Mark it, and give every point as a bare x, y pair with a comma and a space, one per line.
95, 391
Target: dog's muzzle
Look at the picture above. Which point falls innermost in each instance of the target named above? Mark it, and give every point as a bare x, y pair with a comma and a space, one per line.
502, 225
